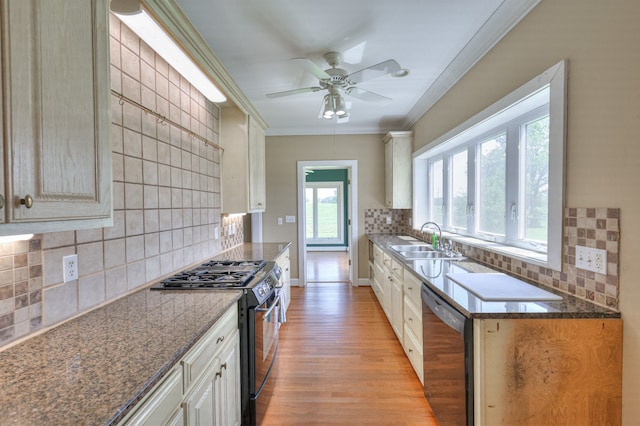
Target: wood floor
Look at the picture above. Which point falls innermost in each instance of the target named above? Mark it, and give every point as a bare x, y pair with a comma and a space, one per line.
327, 266
341, 364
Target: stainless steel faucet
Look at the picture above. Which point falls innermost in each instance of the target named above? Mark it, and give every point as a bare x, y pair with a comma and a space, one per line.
437, 227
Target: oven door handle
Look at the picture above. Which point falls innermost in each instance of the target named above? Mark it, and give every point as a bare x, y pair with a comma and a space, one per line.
276, 302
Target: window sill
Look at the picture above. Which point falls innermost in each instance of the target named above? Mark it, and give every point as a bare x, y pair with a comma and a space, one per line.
524, 255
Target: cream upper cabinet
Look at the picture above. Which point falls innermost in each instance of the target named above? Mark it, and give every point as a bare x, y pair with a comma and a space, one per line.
257, 185
397, 167
56, 115
243, 162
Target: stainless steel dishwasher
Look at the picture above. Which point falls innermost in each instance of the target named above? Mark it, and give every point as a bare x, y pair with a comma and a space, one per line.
448, 360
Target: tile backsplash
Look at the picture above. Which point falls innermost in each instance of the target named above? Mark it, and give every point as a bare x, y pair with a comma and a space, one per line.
166, 191
590, 227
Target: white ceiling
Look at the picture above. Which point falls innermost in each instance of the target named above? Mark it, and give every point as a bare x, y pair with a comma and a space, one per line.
436, 40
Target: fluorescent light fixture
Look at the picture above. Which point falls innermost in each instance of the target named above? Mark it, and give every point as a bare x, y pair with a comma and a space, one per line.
12, 238
133, 15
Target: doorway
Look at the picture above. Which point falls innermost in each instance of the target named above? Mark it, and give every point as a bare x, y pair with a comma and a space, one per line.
327, 237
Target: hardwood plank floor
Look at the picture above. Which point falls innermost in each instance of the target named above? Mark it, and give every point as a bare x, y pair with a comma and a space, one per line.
340, 363
327, 266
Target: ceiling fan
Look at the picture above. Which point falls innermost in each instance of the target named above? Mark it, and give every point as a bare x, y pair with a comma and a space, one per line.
338, 82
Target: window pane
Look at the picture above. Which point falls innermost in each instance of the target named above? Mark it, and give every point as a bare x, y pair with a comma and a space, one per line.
308, 192
459, 190
536, 180
492, 186
327, 213
437, 190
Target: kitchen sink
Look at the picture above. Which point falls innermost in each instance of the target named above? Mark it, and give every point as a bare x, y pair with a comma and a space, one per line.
412, 248
422, 251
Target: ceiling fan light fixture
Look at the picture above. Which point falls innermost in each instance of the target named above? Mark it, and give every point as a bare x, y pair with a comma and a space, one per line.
328, 111
341, 106
402, 72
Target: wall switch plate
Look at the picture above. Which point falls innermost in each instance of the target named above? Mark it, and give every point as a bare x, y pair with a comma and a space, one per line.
232, 229
70, 267
279, 221
290, 219
591, 259
216, 233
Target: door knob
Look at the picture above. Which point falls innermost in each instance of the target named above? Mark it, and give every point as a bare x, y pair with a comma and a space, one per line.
27, 201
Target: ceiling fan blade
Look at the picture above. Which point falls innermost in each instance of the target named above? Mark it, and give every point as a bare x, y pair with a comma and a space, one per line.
293, 92
374, 71
366, 95
312, 68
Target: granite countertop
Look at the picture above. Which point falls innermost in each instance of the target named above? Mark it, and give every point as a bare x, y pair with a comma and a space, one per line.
94, 368
433, 272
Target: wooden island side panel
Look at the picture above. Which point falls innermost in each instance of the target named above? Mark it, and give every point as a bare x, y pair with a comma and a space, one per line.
549, 372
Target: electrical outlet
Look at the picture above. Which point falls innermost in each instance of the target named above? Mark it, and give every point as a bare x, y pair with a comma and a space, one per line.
591, 259
232, 229
70, 267
388, 220
216, 233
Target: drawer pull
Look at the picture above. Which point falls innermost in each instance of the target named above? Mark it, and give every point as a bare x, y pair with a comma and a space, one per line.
220, 339
223, 366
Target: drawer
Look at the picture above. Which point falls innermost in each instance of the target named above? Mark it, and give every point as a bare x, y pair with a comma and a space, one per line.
414, 353
412, 288
201, 354
413, 318
386, 260
397, 269
162, 403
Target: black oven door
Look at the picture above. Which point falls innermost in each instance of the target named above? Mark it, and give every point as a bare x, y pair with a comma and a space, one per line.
266, 338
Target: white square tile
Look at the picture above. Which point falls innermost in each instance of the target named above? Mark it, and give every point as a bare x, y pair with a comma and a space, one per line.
136, 275
151, 245
118, 195
164, 219
114, 253
134, 197
135, 248
118, 229
134, 222
90, 258
60, 302
88, 235
166, 242
58, 239
164, 197
153, 268
150, 172
132, 170
164, 175
151, 197
91, 291
116, 137
117, 167
116, 282
151, 221
149, 148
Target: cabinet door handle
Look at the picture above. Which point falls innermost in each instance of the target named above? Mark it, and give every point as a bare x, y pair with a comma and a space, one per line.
27, 201
223, 366
220, 339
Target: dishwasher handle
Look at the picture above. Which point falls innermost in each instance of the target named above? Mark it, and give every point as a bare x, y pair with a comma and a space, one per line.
443, 310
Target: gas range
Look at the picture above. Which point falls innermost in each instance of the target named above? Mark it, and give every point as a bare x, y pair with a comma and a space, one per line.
258, 277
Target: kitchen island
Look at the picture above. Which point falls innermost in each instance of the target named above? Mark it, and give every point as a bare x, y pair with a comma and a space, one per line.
94, 368
502, 360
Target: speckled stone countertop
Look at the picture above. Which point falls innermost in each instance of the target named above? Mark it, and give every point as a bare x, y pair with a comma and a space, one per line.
93, 369
433, 273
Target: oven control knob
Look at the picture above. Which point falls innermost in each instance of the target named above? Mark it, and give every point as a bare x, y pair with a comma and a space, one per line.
261, 291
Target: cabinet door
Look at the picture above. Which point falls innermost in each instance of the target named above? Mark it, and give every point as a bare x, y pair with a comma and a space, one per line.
397, 318
284, 263
229, 383
201, 407
257, 186
57, 109
388, 174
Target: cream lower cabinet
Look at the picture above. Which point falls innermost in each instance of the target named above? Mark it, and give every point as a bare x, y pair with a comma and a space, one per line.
203, 388
412, 323
397, 302
284, 262
55, 116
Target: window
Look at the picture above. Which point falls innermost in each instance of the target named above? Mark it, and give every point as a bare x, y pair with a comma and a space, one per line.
498, 177
324, 221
